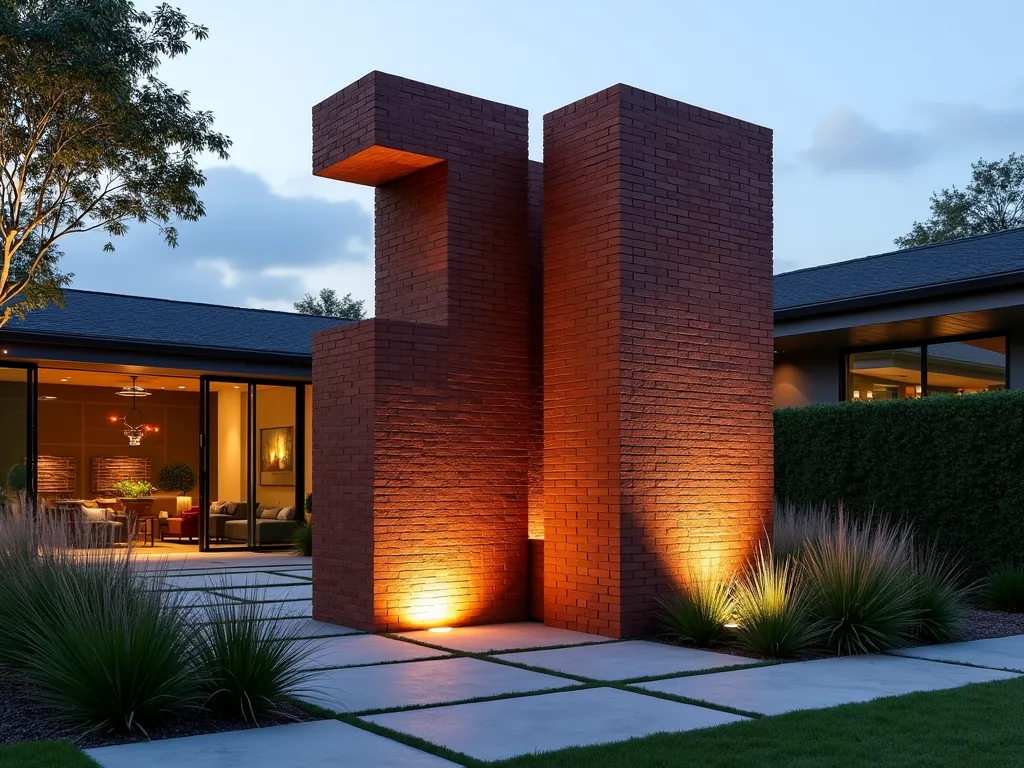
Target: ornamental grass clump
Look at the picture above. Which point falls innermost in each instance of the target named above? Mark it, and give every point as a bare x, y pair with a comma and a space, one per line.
82, 634
862, 585
943, 596
1003, 589
246, 666
302, 540
698, 613
772, 608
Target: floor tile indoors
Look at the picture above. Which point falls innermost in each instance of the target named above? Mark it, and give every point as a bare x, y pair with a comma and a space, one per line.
498, 691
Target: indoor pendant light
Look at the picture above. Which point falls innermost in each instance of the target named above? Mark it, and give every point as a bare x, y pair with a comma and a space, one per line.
134, 426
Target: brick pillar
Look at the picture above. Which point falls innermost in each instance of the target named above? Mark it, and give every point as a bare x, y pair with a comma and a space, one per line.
657, 352
422, 415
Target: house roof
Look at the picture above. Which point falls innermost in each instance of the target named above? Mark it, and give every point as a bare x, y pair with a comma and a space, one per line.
885, 274
109, 317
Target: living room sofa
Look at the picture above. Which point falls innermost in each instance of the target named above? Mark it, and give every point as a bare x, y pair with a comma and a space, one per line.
274, 525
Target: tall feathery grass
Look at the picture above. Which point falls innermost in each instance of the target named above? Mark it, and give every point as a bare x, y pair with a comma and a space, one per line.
836, 585
1003, 589
85, 634
773, 609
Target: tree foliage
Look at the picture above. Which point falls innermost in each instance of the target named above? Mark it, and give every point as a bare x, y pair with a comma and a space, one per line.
992, 202
90, 137
327, 304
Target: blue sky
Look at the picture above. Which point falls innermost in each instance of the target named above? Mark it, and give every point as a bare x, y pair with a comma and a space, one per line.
874, 105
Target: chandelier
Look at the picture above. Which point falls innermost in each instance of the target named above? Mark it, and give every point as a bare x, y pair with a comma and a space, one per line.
134, 427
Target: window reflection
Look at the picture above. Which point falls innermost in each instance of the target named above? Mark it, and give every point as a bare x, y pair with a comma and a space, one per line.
889, 374
966, 367
951, 368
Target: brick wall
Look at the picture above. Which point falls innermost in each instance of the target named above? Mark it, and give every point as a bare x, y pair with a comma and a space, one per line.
428, 447
658, 352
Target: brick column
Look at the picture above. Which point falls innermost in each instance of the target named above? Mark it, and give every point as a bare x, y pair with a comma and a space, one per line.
422, 416
657, 352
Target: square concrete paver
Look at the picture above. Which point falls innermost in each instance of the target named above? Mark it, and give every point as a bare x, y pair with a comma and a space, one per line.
495, 730
197, 599
503, 637
228, 580
299, 628
292, 609
621, 661
264, 594
822, 683
321, 744
365, 649
359, 689
996, 652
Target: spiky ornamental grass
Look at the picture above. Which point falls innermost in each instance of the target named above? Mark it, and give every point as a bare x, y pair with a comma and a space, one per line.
943, 596
1003, 589
302, 540
245, 665
862, 586
772, 608
697, 614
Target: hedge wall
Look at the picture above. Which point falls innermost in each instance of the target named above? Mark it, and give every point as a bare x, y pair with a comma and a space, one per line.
953, 466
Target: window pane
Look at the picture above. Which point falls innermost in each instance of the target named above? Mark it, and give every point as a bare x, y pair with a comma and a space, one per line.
888, 374
14, 394
967, 367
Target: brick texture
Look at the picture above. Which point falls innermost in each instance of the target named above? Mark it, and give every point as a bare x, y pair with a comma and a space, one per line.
657, 352
422, 415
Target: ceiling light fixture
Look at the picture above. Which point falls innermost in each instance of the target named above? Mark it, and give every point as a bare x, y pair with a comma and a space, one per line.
134, 426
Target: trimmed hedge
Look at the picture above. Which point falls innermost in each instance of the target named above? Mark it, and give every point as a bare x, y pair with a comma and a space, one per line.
952, 466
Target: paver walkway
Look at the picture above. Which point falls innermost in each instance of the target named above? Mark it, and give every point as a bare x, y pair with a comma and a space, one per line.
496, 692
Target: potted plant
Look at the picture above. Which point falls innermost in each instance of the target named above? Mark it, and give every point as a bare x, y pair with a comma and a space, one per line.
134, 490
179, 478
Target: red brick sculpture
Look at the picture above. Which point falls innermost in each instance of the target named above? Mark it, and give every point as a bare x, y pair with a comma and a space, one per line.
653, 458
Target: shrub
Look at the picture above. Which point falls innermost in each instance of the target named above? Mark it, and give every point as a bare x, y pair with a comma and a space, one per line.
177, 477
245, 666
862, 586
302, 540
950, 466
17, 478
772, 608
1003, 589
942, 597
697, 614
308, 505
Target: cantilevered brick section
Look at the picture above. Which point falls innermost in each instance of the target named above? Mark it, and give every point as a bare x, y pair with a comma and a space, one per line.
422, 415
657, 352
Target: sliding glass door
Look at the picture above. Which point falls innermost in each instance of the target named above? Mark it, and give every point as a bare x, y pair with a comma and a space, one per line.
252, 462
18, 393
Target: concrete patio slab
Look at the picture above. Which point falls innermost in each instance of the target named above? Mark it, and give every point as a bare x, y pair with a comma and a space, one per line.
503, 637
353, 650
321, 744
496, 730
996, 653
294, 609
196, 598
359, 689
621, 661
299, 591
823, 683
229, 579
299, 628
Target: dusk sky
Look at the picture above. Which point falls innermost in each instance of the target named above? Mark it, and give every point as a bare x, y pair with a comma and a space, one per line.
874, 105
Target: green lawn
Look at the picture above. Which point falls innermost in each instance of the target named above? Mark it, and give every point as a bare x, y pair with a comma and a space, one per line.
979, 725
44, 754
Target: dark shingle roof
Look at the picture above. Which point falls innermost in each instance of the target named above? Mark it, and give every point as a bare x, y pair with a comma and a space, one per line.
137, 319
926, 266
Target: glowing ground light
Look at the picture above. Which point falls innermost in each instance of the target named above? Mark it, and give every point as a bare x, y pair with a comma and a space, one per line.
732, 625
440, 630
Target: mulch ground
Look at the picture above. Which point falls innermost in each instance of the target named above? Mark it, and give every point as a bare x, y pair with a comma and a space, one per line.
21, 721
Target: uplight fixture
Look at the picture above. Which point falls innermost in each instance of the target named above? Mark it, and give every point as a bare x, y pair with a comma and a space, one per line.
440, 630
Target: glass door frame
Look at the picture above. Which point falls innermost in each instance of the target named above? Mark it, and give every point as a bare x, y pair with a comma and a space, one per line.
252, 457
32, 425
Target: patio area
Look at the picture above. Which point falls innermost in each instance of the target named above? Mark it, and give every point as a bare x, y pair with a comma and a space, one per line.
495, 692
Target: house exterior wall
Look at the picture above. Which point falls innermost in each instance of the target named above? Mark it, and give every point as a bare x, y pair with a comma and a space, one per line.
807, 378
